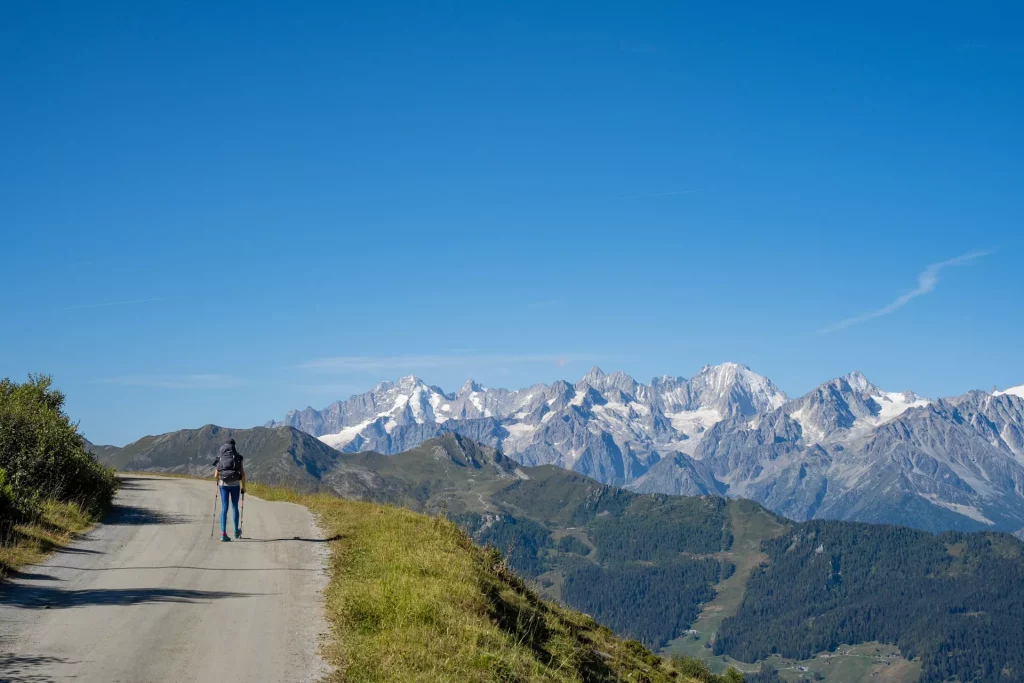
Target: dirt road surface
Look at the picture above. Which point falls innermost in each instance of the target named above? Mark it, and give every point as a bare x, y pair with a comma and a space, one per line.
150, 596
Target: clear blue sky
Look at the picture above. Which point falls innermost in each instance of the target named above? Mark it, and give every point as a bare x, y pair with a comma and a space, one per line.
200, 201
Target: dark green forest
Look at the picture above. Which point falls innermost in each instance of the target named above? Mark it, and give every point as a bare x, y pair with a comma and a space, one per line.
651, 604
955, 600
649, 574
523, 542
571, 544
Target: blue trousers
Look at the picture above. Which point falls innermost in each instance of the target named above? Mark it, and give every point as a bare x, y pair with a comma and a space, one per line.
226, 493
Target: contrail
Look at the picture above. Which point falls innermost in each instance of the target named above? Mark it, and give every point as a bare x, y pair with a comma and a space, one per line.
927, 280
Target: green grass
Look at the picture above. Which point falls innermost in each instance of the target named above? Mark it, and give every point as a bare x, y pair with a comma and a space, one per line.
412, 598
857, 664
30, 543
750, 524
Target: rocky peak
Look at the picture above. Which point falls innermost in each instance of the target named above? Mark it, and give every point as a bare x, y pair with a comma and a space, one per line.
470, 387
859, 383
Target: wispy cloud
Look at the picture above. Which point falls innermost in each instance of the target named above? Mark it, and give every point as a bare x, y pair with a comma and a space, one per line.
194, 381
414, 363
927, 280
121, 303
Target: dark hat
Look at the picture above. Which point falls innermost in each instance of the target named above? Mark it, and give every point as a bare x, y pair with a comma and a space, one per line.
231, 441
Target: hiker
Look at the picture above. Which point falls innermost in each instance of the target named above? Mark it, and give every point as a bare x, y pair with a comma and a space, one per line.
230, 477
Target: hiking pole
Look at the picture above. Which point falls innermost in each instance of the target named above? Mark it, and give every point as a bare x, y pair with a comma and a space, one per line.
241, 514
216, 494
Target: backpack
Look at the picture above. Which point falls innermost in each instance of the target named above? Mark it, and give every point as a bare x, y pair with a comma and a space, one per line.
229, 465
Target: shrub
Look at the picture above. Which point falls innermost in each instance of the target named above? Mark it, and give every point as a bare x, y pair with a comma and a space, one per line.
42, 454
9, 513
699, 671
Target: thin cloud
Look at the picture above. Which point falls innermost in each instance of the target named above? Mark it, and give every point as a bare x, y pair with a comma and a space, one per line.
927, 280
193, 381
121, 303
419, 363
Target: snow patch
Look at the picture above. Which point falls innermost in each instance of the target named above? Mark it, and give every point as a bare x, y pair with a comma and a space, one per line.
518, 431
1012, 391
345, 436
435, 403
811, 434
694, 423
894, 404
418, 414
965, 510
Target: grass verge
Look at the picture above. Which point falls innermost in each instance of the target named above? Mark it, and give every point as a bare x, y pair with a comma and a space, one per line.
412, 598
30, 543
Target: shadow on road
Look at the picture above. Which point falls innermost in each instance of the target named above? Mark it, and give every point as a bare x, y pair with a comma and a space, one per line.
336, 537
133, 515
176, 566
78, 551
135, 483
30, 576
19, 668
44, 597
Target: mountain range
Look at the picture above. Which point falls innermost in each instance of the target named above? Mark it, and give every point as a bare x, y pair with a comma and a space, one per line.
846, 450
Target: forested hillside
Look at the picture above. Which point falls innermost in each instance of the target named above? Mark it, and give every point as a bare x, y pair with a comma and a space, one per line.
956, 600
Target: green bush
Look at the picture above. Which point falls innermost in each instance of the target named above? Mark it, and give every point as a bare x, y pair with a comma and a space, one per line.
699, 671
42, 455
9, 513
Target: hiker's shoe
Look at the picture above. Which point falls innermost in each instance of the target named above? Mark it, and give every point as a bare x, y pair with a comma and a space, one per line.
224, 537
238, 533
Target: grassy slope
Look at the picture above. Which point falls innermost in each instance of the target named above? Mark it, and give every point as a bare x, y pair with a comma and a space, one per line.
31, 543
865, 662
411, 598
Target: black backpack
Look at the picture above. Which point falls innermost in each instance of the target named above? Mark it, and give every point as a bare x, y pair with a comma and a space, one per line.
229, 465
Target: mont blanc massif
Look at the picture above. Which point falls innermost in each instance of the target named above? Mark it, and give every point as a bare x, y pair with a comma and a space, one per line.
847, 450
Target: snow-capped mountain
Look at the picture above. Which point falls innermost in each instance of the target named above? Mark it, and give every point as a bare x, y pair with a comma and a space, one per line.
1013, 391
608, 426
847, 450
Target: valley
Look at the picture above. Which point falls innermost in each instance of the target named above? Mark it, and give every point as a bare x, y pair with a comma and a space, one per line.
655, 567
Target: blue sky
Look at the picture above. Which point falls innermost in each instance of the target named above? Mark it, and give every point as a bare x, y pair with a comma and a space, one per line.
200, 202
